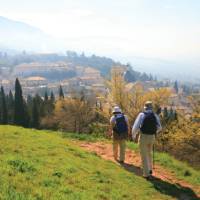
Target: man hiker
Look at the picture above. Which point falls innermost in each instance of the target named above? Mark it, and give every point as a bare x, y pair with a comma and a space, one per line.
119, 124
148, 124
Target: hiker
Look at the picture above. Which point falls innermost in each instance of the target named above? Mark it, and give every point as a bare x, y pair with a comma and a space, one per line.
148, 124
119, 124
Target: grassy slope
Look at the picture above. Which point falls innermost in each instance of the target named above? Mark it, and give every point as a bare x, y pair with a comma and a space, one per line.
181, 170
42, 165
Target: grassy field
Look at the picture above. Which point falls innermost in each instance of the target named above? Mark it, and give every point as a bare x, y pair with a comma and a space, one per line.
44, 165
182, 170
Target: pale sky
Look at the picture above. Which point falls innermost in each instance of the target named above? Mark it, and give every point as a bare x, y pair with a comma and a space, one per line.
165, 29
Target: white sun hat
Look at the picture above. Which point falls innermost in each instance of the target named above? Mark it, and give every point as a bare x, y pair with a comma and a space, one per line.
117, 109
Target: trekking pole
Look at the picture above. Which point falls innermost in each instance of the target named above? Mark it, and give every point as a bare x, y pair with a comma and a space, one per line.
158, 112
153, 156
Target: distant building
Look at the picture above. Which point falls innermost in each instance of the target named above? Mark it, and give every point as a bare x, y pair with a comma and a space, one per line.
34, 81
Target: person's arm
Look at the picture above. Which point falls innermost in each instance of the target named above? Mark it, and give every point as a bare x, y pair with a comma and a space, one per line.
112, 124
137, 124
128, 125
159, 126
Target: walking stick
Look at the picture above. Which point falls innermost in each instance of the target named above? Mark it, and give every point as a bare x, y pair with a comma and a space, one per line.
158, 112
153, 157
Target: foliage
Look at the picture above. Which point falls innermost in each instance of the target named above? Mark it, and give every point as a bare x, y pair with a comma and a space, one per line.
181, 138
72, 114
131, 101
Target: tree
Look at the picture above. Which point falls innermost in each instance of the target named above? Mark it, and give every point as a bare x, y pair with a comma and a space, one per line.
61, 94
19, 107
117, 87
165, 114
144, 77
52, 97
74, 114
176, 86
46, 96
26, 115
35, 114
10, 106
4, 107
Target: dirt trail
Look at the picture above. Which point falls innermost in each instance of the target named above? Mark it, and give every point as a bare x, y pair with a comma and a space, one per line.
133, 163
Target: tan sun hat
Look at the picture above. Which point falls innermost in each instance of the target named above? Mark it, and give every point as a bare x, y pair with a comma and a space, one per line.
116, 109
148, 105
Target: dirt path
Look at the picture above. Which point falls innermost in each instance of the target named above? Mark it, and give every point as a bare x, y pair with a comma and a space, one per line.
133, 163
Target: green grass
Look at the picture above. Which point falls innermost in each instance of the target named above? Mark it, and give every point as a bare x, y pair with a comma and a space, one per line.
43, 165
182, 170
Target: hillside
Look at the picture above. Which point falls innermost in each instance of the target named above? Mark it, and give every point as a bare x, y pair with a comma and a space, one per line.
46, 165
19, 36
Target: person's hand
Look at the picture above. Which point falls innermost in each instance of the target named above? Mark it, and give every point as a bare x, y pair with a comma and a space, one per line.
135, 139
110, 133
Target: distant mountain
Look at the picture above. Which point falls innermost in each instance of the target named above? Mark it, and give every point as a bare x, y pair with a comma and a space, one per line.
20, 36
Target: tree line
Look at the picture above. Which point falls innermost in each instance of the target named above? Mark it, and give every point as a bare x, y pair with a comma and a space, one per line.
82, 114
16, 110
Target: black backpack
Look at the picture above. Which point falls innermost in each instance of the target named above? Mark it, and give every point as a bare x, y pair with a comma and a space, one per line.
149, 126
121, 125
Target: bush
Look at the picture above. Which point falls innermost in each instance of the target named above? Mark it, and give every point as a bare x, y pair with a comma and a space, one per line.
99, 129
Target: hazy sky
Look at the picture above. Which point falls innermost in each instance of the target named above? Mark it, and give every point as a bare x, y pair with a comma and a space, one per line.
168, 29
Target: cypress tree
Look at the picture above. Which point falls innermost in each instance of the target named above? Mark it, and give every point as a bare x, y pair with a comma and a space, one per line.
165, 114
46, 96
176, 87
29, 100
1, 107
19, 109
35, 114
52, 97
4, 107
175, 116
26, 115
171, 114
10, 100
61, 94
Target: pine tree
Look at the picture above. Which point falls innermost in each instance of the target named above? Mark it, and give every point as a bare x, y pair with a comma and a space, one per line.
40, 104
176, 86
171, 114
46, 98
175, 115
52, 97
26, 115
35, 114
61, 94
19, 109
29, 100
4, 107
10, 103
165, 114
1, 106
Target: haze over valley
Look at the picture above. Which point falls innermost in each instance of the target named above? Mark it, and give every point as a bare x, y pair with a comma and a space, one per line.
16, 36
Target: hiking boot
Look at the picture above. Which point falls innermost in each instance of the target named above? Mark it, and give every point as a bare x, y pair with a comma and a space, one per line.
148, 178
